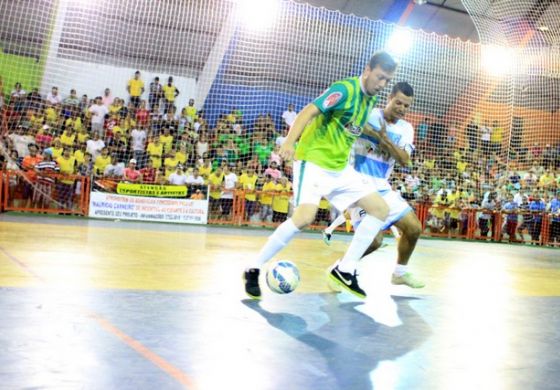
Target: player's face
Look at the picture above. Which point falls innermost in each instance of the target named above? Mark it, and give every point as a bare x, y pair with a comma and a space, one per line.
376, 79
399, 105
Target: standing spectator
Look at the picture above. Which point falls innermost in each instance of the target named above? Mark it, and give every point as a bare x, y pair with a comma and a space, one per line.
107, 99
511, 208
84, 105
155, 152
98, 112
289, 116
42, 195
53, 97
228, 188
281, 200
247, 183
142, 115
487, 216
138, 145
148, 172
72, 100
95, 145
170, 93
21, 141
17, 97
553, 208
202, 146
273, 171
422, 132
65, 186
266, 199
496, 138
215, 181
536, 207
472, 135
34, 100
28, 164
156, 93
131, 174
190, 112
135, 88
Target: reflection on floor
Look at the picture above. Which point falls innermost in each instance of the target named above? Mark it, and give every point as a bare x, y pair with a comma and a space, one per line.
105, 305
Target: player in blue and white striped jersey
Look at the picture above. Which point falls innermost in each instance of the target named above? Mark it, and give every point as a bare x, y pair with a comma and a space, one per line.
375, 157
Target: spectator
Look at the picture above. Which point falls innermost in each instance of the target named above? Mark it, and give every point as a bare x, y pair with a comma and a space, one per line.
131, 174
42, 195
101, 162
98, 112
115, 169
178, 178
107, 99
17, 97
485, 136
422, 132
281, 200
190, 112
155, 152
53, 97
95, 145
28, 164
215, 181
170, 162
289, 116
167, 140
21, 141
553, 208
135, 88
65, 186
195, 178
228, 188
486, 218
68, 137
148, 173
34, 100
510, 208
266, 199
496, 138
536, 206
138, 138
202, 146
170, 93
248, 182
273, 171
156, 93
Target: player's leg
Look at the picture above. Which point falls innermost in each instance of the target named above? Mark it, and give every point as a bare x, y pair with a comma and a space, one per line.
344, 273
307, 196
411, 229
327, 233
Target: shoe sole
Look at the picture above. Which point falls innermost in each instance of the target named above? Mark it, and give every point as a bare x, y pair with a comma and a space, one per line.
408, 285
345, 287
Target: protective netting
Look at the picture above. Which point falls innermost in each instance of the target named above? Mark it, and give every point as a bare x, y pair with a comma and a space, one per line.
481, 110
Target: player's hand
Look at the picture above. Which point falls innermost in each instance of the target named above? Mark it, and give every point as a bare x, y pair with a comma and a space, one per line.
287, 151
383, 129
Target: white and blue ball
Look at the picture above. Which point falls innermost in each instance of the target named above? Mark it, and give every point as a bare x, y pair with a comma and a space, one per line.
282, 277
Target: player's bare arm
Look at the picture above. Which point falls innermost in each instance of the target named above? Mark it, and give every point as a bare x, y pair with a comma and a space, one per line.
400, 155
302, 119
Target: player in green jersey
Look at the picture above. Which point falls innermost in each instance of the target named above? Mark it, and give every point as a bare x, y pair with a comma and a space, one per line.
328, 128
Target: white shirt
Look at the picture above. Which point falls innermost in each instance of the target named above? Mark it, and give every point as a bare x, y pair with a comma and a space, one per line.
370, 160
138, 139
289, 117
485, 133
98, 112
280, 140
195, 180
54, 99
229, 184
177, 180
201, 148
94, 147
114, 170
21, 143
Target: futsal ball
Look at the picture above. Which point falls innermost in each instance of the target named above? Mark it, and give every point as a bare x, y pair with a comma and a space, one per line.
282, 277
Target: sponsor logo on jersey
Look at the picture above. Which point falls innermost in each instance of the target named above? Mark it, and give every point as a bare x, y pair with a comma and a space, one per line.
353, 129
332, 99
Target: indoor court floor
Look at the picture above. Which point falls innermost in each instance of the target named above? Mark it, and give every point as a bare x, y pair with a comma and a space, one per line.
122, 305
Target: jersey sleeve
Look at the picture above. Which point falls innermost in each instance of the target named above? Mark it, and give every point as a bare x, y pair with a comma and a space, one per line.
334, 98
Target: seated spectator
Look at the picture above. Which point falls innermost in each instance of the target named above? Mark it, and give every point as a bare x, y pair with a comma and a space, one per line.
148, 173
68, 137
131, 174
178, 178
195, 178
101, 162
115, 169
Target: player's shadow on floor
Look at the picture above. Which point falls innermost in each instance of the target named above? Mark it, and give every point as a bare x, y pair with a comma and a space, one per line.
351, 343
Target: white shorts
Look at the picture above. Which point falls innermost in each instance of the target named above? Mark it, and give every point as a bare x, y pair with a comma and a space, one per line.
398, 208
341, 189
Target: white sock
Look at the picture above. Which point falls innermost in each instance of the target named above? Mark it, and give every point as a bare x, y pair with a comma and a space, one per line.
364, 235
277, 240
400, 270
336, 223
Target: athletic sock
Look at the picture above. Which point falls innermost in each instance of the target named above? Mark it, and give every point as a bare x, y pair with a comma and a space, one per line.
277, 240
336, 223
363, 237
400, 270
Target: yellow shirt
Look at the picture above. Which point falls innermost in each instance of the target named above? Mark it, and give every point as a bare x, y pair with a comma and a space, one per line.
496, 136
113, 109
51, 114
216, 181
120, 134
461, 166
67, 140
546, 180
170, 165
169, 92
205, 171
190, 111
135, 87
155, 152
429, 164
281, 202
248, 184
100, 164
83, 137
128, 123
181, 157
167, 141
56, 152
37, 121
79, 157
66, 167
266, 199
76, 124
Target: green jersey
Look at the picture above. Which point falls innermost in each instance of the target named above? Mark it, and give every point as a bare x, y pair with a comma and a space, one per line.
328, 138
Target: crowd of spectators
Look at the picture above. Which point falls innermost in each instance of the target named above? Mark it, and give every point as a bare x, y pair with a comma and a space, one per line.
145, 138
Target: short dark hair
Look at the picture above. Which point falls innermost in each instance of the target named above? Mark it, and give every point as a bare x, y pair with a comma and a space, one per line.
403, 87
384, 61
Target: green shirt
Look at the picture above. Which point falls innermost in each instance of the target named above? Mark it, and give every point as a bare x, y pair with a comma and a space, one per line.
328, 138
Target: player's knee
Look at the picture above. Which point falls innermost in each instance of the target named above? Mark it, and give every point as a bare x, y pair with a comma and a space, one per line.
303, 218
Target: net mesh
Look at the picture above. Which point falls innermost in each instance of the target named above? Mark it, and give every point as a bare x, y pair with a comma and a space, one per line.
481, 110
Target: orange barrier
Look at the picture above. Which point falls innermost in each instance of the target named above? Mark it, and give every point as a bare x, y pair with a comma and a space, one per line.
69, 194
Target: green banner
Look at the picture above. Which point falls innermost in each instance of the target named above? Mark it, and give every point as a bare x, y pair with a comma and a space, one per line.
152, 190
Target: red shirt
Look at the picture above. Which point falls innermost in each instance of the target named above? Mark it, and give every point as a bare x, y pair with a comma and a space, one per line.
148, 175
142, 116
29, 163
131, 174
